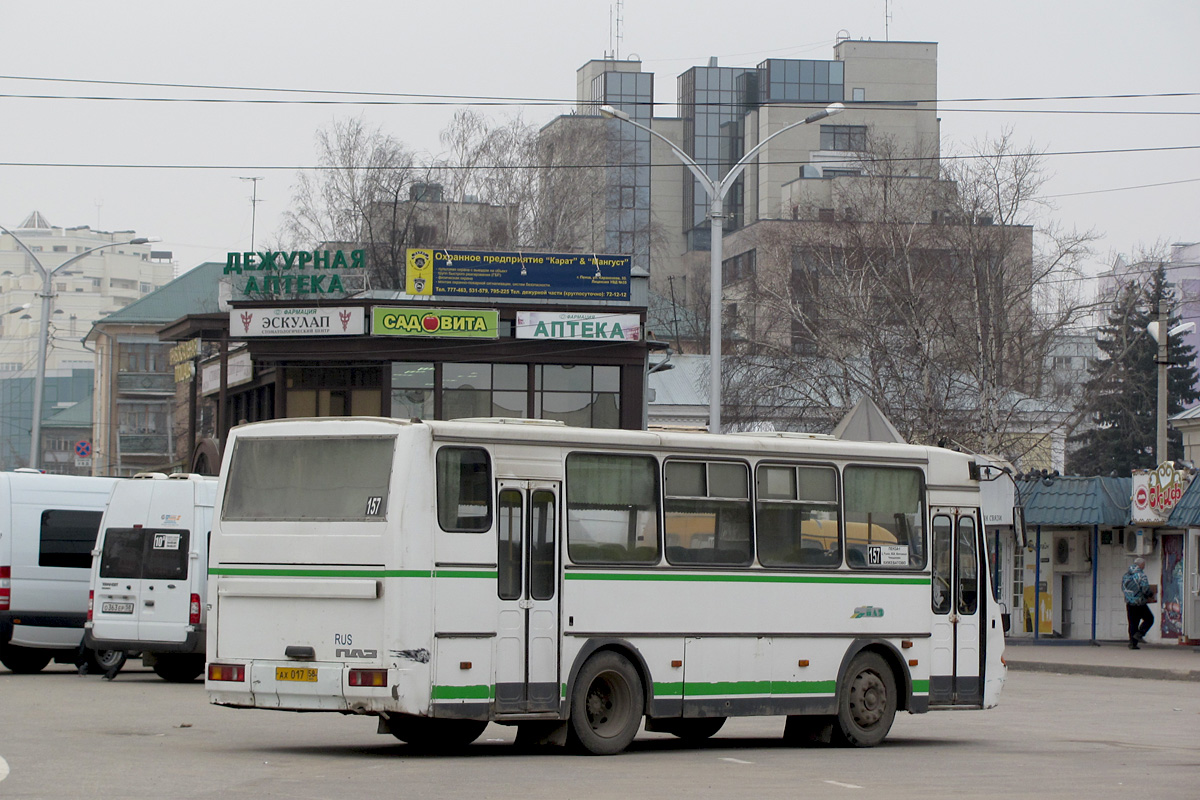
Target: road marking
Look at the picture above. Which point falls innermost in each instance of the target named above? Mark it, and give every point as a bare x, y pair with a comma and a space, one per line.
844, 785
736, 761
3, 769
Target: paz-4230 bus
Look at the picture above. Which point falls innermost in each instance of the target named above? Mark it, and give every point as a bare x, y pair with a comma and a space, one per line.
576, 582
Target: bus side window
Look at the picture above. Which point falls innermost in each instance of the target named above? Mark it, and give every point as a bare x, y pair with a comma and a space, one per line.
612, 509
464, 489
797, 520
885, 507
707, 505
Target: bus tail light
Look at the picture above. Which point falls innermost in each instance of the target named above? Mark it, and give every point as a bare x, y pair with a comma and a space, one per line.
368, 677
6, 588
91, 603
227, 672
193, 611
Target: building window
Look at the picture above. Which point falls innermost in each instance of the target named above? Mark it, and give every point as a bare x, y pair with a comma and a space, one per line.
859, 95
485, 390
60, 248
578, 394
844, 137
740, 266
134, 357
412, 390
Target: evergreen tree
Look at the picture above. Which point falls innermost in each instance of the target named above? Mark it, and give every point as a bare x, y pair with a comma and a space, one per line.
1122, 390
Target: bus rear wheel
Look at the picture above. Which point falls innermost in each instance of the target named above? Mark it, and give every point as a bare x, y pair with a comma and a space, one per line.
606, 705
426, 733
24, 660
866, 702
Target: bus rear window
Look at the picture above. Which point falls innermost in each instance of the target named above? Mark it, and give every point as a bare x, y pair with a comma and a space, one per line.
317, 478
464, 489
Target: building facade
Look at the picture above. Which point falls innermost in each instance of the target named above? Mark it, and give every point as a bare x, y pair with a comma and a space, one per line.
656, 210
95, 285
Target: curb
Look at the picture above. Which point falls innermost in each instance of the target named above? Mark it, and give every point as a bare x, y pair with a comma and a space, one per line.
1150, 673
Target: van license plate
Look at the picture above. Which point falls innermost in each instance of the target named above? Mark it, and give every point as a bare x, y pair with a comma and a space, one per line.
116, 608
304, 674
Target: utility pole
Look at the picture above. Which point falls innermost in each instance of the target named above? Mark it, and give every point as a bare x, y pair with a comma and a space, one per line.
1160, 452
254, 201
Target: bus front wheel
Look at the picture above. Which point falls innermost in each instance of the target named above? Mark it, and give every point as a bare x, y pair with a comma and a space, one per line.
866, 702
606, 705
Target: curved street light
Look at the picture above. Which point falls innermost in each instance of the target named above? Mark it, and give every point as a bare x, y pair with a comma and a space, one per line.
39, 384
716, 191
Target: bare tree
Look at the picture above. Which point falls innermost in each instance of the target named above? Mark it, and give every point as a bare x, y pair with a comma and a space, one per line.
360, 196
930, 295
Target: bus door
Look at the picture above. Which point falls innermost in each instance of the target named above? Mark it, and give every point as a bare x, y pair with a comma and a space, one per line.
527, 668
956, 666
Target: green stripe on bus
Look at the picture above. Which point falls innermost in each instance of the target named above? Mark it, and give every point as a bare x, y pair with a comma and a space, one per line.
920, 687
320, 573
745, 578
478, 692
758, 687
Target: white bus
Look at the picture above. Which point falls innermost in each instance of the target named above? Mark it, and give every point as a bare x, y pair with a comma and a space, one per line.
573, 582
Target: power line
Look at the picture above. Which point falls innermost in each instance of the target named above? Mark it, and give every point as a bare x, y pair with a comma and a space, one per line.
495, 99
519, 167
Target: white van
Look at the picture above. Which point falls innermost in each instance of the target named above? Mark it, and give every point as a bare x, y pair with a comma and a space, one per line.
150, 571
48, 526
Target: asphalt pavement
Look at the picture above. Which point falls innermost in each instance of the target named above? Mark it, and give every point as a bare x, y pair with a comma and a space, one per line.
1111, 659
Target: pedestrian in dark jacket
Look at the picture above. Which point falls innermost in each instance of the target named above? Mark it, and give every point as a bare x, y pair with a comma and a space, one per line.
1138, 595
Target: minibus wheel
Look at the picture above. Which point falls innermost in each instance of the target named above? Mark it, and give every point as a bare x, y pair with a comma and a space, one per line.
607, 703
105, 662
866, 702
24, 660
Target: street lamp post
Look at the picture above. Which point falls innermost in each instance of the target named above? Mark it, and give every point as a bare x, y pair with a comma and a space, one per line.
39, 384
716, 191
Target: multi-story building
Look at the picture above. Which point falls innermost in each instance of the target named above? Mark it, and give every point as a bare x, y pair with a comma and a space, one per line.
86, 290
656, 210
136, 395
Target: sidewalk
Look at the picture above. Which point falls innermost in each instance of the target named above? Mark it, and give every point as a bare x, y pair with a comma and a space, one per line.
1110, 659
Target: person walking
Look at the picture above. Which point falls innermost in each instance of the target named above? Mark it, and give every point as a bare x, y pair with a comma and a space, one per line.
1138, 595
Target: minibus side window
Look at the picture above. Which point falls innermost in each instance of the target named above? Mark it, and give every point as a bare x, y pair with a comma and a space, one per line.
68, 538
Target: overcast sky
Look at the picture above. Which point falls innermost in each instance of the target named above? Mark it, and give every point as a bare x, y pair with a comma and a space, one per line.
1019, 48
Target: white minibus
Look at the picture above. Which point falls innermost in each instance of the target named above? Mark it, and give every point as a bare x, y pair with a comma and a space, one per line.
48, 526
150, 572
578, 582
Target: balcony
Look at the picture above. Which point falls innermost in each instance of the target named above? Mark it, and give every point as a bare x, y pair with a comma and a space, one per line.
145, 444
162, 383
